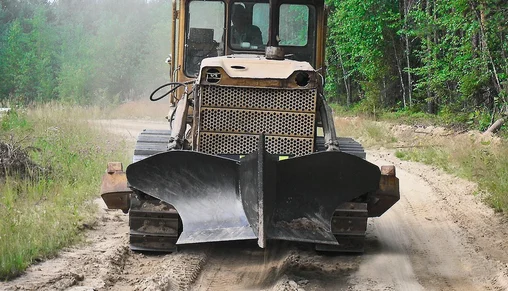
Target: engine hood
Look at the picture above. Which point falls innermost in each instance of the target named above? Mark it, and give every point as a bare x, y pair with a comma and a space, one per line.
255, 66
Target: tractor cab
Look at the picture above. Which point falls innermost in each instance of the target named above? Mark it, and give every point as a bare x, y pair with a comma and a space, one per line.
219, 28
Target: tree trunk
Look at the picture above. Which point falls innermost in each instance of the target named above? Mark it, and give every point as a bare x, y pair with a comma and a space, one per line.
401, 77
407, 8
430, 100
486, 50
384, 95
346, 83
495, 127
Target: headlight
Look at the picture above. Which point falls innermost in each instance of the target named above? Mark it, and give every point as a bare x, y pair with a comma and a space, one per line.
213, 76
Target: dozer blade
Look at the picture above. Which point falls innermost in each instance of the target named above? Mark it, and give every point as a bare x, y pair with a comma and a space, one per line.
258, 197
202, 188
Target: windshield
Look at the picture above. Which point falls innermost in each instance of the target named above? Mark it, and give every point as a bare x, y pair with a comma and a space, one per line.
204, 33
249, 26
248, 30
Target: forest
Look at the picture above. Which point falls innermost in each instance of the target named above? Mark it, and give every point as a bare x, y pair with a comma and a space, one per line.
446, 57
82, 51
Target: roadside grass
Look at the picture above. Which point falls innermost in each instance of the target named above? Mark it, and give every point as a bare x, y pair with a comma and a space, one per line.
482, 162
42, 213
369, 133
470, 155
474, 119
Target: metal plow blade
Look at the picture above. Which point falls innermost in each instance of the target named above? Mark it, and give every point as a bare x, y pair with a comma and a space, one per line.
258, 197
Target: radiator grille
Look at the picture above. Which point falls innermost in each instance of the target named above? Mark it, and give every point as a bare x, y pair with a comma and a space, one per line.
257, 122
231, 119
259, 98
215, 143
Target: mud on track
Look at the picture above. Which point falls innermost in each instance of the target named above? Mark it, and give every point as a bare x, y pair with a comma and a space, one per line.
438, 237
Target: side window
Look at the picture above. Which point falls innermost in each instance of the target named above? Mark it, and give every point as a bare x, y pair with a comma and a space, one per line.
293, 25
204, 33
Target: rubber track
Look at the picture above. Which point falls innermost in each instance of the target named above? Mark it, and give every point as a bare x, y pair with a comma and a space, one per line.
151, 142
346, 144
154, 225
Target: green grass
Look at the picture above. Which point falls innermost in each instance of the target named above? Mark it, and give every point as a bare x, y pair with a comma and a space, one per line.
42, 214
482, 162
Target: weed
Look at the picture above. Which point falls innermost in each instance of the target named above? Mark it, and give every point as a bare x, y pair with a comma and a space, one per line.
14, 120
401, 154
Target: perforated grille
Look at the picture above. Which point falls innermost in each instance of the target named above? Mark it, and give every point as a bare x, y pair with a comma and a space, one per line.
257, 122
238, 144
287, 145
299, 100
231, 119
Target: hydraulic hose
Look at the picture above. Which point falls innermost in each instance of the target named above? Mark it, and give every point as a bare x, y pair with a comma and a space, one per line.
176, 84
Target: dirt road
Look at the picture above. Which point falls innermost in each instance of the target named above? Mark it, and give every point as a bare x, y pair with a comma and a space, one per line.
438, 237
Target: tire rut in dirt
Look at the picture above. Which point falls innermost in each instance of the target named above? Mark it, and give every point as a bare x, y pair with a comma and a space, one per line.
105, 267
177, 271
281, 266
91, 269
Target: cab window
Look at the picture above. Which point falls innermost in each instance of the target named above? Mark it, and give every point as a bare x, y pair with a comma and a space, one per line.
293, 25
297, 31
204, 33
260, 12
248, 28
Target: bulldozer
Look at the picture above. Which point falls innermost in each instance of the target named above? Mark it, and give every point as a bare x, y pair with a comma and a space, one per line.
251, 151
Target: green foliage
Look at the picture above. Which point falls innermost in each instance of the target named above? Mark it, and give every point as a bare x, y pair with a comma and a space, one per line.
453, 51
357, 44
74, 81
43, 213
453, 68
29, 59
14, 121
82, 52
479, 119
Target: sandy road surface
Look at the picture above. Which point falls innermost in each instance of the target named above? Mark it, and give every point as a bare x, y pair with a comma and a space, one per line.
438, 237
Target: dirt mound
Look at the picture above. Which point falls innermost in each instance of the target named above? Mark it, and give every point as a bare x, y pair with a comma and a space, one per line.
14, 160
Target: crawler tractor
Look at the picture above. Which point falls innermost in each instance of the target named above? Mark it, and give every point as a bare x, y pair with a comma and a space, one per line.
251, 151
